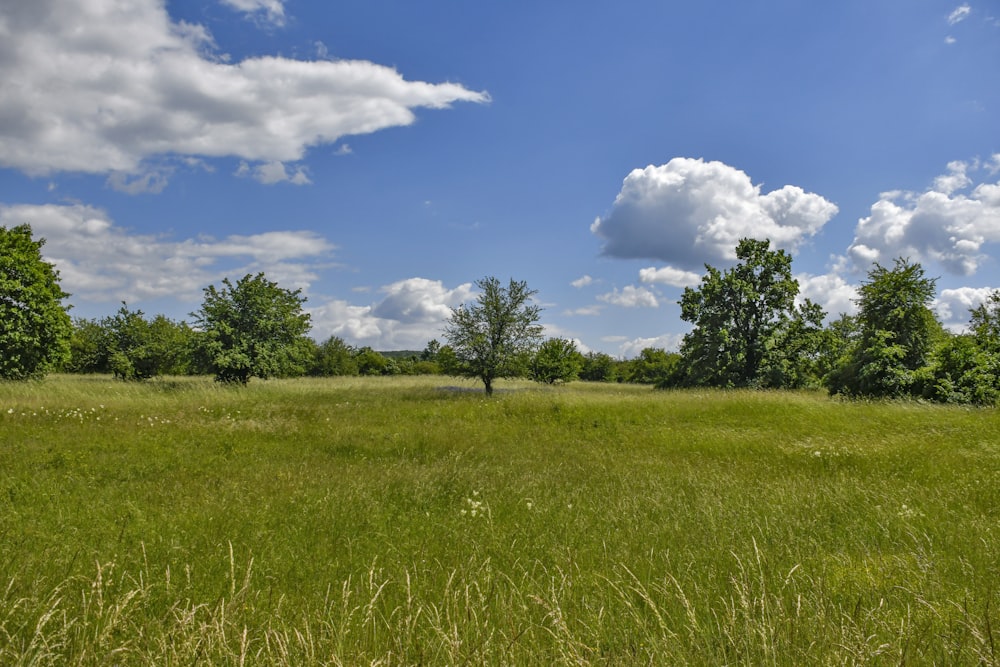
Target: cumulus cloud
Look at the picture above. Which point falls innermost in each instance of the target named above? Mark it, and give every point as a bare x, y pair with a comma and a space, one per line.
270, 173
411, 313
953, 306
830, 291
272, 11
689, 212
103, 87
949, 223
668, 275
582, 281
632, 348
102, 262
631, 297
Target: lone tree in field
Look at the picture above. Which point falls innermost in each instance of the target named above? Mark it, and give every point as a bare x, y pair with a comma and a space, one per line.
491, 338
34, 327
253, 329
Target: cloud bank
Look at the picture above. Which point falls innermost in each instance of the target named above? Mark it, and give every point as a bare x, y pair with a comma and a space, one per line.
949, 223
101, 262
411, 313
100, 87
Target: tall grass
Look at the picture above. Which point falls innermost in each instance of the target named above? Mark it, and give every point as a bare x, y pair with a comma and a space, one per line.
396, 521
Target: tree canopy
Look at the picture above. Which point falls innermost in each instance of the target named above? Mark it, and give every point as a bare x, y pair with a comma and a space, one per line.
743, 319
34, 326
253, 329
896, 334
491, 338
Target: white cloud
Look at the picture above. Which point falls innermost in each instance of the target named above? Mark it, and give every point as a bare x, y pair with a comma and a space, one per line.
668, 275
412, 312
273, 11
582, 281
668, 342
941, 225
631, 297
959, 14
102, 87
830, 291
689, 212
102, 262
953, 306
270, 173
586, 311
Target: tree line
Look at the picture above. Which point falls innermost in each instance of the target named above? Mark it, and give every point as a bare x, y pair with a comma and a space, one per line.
749, 330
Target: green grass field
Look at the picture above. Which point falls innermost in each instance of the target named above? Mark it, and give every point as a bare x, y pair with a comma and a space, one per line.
396, 522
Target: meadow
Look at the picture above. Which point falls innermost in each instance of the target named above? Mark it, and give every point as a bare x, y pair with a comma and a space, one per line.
397, 521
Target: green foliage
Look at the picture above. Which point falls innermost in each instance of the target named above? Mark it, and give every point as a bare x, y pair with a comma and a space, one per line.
653, 366
799, 356
744, 319
556, 360
253, 329
493, 338
599, 367
984, 323
370, 362
962, 371
131, 346
89, 348
896, 333
333, 357
35, 329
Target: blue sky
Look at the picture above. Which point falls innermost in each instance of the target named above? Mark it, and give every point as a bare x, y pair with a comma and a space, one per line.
382, 156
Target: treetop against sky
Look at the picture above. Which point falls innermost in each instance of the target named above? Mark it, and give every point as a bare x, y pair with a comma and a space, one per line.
382, 156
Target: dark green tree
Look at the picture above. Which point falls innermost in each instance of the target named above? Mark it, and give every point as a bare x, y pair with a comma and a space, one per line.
493, 337
556, 360
333, 357
896, 333
599, 367
741, 316
370, 362
984, 323
963, 371
799, 355
89, 347
253, 329
654, 366
35, 328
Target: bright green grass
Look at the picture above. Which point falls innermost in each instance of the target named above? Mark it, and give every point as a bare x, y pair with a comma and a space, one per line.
393, 521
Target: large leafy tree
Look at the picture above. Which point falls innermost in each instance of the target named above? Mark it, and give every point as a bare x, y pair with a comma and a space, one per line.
253, 329
896, 333
744, 319
35, 328
491, 338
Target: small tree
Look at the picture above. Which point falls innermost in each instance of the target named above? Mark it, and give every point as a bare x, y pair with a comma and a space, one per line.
253, 329
599, 367
491, 338
34, 327
334, 357
557, 360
